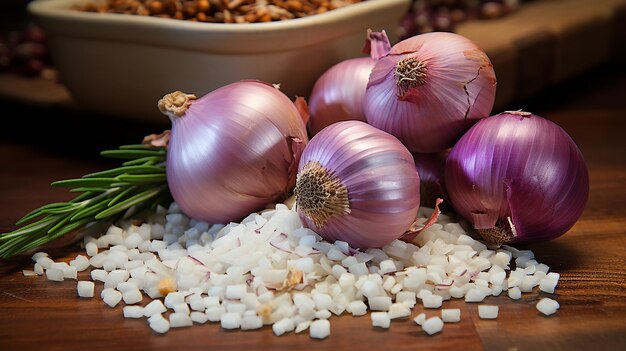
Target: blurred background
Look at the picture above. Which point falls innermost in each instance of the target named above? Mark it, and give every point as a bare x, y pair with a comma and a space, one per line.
534, 45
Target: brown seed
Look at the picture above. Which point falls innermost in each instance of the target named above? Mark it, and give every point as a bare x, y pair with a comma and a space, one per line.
189, 10
143, 11
172, 6
233, 4
228, 17
203, 5
201, 16
155, 7
294, 5
250, 18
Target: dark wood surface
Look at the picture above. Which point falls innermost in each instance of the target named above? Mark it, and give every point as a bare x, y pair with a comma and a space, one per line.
41, 144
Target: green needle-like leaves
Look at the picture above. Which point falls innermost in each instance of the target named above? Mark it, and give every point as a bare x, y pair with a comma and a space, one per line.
105, 196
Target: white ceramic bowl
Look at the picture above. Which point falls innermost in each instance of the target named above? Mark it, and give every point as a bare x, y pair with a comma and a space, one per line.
122, 64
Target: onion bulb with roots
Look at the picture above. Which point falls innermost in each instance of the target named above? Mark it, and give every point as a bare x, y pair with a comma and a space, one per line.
429, 90
357, 184
232, 151
518, 178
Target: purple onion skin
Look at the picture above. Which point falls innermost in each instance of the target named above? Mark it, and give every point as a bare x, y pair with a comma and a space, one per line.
379, 173
431, 170
520, 166
338, 93
457, 89
234, 151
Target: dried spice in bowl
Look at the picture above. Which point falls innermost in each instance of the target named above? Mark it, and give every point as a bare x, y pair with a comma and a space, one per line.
219, 11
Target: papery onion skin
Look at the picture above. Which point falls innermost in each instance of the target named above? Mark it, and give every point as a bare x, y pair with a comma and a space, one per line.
520, 169
380, 177
454, 86
234, 151
338, 93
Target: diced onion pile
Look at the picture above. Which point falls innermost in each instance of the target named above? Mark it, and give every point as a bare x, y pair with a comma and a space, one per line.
270, 270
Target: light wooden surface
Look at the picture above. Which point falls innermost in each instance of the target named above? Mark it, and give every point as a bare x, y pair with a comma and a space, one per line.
591, 258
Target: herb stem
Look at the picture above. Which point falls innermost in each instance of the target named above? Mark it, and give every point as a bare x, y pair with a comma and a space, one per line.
139, 183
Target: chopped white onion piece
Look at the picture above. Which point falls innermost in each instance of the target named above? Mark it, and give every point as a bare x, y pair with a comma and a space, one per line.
235, 292
54, 274
451, 315
474, 295
302, 326
126, 286
175, 298
99, 274
515, 293
380, 319
319, 329
548, 285
198, 317
283, 326
357, 308
322, 301
112, 297
38, 255
379, 303
154, 307
180, 319
420, 318
399, 310
85, 288
115, 277
325, 314
132, 296
528, 283
38, 268
432, 325
91, 249
547, 306
432, 301
407, 297
249, 322
80, 262
214, 314
133, 312
488, 311
160, 324
229, 320
181, 308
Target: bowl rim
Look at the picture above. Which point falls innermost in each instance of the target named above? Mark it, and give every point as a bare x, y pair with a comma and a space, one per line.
56, 17
60, 9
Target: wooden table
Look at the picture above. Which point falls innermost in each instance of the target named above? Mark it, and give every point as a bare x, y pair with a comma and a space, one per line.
591, 258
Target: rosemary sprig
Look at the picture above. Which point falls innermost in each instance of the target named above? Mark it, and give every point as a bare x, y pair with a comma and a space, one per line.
139, 183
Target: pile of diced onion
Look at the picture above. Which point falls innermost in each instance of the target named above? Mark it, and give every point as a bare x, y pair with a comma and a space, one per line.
270, 270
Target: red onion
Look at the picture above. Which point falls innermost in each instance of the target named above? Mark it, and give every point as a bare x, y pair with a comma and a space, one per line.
338, 93
232, 151
518, 178
431, 170
430, 89
357, 184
